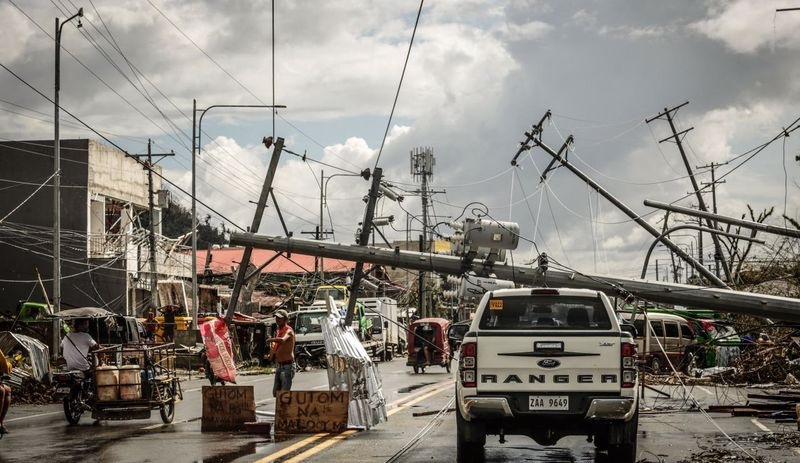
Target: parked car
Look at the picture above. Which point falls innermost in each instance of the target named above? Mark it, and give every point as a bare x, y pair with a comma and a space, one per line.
668, 339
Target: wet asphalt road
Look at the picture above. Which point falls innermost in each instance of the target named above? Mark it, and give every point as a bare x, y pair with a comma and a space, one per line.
670, 430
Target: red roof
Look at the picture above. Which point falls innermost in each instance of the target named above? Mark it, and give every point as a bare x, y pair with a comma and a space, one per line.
226, 260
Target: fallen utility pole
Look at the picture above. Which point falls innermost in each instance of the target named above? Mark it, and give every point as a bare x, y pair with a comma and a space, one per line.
262, 204
534, 136
724, 219
726, 300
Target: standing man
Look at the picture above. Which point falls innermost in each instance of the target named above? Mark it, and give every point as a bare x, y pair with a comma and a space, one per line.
169, 323
283, 349
150, 327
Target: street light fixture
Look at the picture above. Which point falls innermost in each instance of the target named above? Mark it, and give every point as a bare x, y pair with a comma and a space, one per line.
57, 169
196, 147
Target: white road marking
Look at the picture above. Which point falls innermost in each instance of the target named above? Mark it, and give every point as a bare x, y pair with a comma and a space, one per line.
32, 416
760, 425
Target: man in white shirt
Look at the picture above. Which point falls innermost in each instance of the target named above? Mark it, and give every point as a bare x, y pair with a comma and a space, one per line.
76, 346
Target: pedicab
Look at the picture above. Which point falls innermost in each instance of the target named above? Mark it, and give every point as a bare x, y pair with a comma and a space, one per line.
428, 334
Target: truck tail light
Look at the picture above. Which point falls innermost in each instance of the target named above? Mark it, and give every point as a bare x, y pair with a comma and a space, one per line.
628, 354
468, 364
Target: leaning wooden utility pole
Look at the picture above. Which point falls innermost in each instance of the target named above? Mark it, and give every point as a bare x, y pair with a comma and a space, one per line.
151, 207
260, 206
677, 137
534, 138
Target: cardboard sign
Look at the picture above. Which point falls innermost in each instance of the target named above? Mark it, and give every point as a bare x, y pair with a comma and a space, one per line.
227, 408
304, 412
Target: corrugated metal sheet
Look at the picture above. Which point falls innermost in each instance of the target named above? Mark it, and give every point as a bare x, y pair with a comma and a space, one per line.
350, 368
36, 351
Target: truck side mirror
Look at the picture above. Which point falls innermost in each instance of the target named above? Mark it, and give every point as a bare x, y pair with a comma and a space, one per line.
628, 328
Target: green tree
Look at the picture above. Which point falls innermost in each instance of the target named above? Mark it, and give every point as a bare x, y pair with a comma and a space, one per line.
177, 221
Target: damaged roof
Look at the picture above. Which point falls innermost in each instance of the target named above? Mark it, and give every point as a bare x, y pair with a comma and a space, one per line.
226, 260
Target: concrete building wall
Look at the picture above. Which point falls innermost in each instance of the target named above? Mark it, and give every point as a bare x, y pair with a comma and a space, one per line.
117, 176
91, 173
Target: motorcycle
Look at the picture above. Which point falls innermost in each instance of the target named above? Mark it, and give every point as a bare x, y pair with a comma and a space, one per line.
314, 357
75, 390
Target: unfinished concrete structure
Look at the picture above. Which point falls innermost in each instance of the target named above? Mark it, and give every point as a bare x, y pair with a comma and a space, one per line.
104, 249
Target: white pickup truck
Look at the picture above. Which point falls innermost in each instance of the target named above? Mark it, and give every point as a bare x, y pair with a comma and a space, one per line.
547, 363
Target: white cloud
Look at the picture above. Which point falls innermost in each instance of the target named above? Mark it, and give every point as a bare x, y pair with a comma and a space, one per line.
718, 130
745, 26
533, 30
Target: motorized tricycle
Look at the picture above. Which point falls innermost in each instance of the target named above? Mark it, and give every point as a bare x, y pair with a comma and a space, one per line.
124, 382
428, 334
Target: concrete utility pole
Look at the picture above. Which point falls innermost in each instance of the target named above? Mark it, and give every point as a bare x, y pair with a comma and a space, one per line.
677, 137
422, 162
57, 171
363, 240
260, 206
724, 219
151, 207
726, 300
534, 137
713, 184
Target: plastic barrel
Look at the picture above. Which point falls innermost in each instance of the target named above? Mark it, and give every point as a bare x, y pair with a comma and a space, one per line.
107, 380
130, 382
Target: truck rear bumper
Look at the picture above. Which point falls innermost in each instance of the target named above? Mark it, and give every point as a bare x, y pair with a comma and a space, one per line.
600, 409
486, 407
621, 408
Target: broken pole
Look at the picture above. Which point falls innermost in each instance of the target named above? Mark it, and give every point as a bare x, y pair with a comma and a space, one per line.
262, 204
630, 213
363, 240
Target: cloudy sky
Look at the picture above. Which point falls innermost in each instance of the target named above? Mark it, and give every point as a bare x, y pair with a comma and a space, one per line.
480, 74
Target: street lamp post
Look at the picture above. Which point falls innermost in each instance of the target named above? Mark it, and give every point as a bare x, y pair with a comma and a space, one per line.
323, 201
57, 170
196, 147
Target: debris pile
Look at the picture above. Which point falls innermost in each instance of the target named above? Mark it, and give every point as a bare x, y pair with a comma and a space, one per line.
774, 362
27, 390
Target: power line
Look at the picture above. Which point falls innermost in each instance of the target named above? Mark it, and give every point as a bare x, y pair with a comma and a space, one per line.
400, 84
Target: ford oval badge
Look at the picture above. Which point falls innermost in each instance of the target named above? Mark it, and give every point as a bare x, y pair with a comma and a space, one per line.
549, 363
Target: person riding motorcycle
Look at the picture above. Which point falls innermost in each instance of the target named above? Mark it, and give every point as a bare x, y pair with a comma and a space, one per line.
76, 345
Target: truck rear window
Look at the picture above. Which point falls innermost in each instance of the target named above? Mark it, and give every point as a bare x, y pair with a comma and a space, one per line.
545, 313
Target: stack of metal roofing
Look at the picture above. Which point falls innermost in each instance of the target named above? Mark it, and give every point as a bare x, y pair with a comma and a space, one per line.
351, 369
